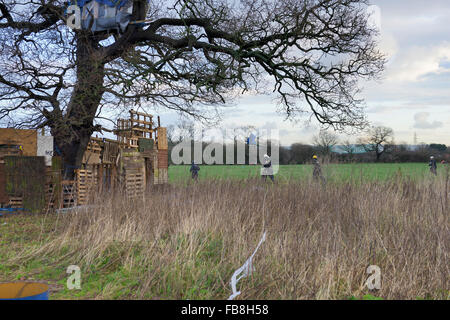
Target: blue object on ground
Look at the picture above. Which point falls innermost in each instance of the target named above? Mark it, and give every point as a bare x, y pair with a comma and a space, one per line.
11, 210
23, 291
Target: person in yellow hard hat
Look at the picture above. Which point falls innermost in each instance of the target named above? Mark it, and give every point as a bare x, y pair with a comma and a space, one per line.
317, 171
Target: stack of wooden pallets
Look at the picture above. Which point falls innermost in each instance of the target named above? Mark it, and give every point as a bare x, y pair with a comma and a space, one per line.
129, 131
86, 184
132, 173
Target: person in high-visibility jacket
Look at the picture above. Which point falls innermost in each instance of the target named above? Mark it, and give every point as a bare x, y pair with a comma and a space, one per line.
317, 170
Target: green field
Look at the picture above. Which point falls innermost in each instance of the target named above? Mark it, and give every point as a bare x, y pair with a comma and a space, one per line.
332, 172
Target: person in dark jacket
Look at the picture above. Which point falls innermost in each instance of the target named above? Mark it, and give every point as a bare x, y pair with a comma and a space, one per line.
194, 171
433, 165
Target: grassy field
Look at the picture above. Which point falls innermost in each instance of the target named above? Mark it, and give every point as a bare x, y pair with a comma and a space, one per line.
185, 242
333, 172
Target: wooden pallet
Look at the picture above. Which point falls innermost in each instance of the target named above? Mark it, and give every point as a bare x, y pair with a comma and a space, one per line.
94, 146
69, 194
50, 193
15, 202
134, 142
86, 182
128, 131
163, 176
110, 152
134, 183
53, 188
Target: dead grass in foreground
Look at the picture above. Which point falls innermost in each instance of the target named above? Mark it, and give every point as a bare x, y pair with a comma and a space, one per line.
184, 242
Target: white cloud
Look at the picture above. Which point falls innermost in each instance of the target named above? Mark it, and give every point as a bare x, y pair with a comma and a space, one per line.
413, 64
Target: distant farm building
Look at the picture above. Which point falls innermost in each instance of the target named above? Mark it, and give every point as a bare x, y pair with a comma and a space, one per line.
355, 149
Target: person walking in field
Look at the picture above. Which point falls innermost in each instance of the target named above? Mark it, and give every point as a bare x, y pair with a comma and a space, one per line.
317, 170
433, 165
194, 171
267, 170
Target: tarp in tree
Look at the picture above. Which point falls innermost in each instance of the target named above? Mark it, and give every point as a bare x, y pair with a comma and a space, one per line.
110, 3
105, 15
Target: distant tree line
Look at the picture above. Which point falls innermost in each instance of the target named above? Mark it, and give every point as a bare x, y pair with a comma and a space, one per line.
300, 153
377, 145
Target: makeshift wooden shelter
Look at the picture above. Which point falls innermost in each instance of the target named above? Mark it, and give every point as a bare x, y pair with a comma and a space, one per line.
133, 163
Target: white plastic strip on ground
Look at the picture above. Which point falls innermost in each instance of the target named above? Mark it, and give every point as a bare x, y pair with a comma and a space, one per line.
246, 269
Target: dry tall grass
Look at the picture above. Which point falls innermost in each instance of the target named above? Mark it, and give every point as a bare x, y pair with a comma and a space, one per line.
185, 242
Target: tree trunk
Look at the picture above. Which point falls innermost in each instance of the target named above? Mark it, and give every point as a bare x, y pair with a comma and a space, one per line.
74, 129
378, 154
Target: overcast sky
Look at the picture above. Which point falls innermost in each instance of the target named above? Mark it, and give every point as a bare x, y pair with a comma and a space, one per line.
414, 95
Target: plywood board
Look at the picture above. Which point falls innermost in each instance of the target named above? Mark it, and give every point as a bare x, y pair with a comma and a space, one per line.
45, 148
25, 138
163, 159
4, 198
90, 157
26, 177
162, 138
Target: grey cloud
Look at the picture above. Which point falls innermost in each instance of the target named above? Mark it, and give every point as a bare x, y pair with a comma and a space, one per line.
270, 125
421, 121
415, 19
380, 109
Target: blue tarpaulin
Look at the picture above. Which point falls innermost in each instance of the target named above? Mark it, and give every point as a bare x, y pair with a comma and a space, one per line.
111, 3
108, 18
105, 15
251, 140
10, 210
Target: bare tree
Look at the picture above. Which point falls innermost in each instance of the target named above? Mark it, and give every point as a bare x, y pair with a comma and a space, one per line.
349, 148
172, 137
190, 57
378, 140
186, 130
325, 141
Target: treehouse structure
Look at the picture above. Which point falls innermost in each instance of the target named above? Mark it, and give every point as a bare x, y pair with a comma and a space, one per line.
134, 162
